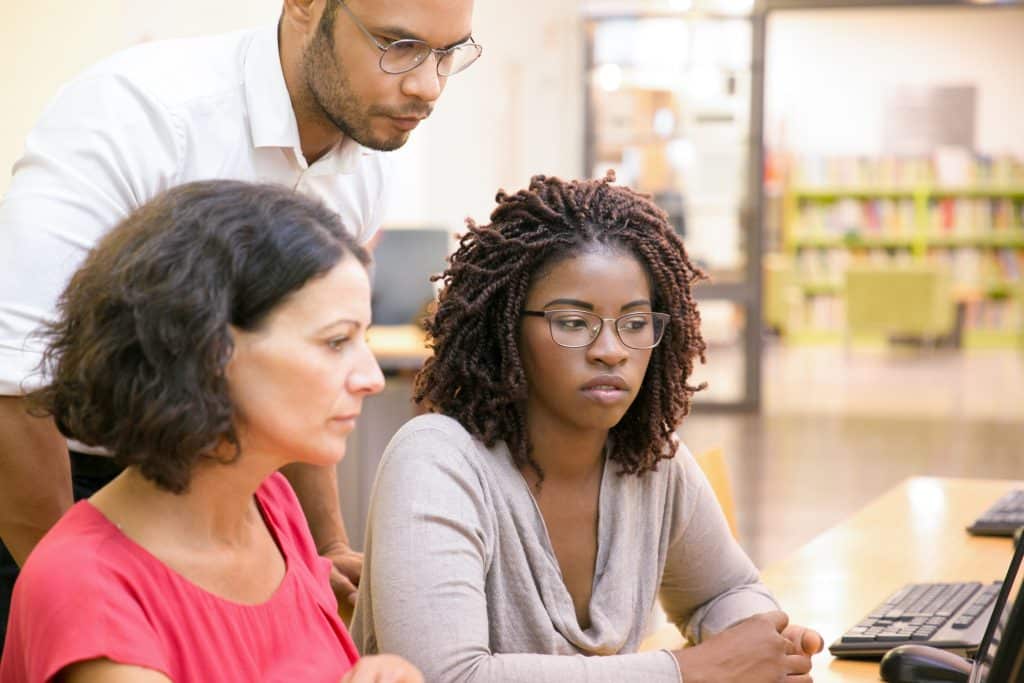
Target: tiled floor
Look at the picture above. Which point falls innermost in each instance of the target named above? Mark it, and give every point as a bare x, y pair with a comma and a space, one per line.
841, 426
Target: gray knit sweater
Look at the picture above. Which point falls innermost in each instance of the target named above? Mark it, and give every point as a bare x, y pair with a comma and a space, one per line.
460, 577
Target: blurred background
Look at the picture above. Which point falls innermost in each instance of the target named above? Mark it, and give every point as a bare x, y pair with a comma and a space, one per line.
850, 175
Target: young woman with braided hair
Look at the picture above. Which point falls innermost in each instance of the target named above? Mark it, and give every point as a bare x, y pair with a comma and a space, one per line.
528, 519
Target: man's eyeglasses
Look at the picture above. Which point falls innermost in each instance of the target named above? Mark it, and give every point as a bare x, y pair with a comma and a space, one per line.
400, 56
576, 329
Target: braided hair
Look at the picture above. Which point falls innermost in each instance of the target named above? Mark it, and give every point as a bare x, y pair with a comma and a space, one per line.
475, 374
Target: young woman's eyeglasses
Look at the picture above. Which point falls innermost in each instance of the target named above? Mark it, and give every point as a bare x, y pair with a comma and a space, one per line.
400, 56
576, 329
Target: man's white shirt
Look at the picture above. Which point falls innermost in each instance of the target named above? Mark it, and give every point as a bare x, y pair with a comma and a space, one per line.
140, 122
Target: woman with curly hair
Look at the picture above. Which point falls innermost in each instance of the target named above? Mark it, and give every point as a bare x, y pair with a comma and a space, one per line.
536, 514
214, 336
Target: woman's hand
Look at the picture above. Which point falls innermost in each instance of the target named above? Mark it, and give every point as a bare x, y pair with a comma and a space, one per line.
756, 650
805, 640
383, 669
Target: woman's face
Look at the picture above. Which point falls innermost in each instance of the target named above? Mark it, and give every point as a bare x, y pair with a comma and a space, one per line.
589, 388
298, 382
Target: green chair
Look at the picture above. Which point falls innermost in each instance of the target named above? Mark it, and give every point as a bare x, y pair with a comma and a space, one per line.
905, 301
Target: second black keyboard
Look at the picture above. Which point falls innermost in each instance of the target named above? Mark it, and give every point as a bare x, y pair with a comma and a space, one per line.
1003, 518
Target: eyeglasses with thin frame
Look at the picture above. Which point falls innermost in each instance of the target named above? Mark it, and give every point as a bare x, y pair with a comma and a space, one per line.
574, 329
400, 56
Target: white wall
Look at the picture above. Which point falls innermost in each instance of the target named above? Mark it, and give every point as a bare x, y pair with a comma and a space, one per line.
828, 71
42, 44
516, 112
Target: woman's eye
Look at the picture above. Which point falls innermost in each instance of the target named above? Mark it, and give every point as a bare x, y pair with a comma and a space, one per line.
572, 323
337, 342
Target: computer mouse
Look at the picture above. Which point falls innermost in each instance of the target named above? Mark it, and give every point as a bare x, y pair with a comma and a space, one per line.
923, 664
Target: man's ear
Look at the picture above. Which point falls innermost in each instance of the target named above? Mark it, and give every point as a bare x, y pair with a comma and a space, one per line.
303, 15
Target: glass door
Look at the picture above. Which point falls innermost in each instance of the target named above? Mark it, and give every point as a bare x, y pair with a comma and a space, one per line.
669, 109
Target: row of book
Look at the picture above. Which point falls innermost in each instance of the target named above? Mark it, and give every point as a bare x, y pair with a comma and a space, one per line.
867, 217
946, 167
961, 216
894, 218
970, 269
821, 267
991, 315
979, 269
828, 314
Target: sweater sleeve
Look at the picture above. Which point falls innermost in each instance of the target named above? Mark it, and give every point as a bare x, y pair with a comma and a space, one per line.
432, 537
709, 583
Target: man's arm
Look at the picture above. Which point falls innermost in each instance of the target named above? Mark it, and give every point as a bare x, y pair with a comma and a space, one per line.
317, 490
35, 477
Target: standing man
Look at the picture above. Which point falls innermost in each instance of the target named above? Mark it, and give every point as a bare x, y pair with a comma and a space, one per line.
308, 104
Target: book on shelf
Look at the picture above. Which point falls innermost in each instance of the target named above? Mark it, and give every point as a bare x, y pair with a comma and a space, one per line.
982, 273
955, 216
1011, 263
819, 267
944, 169
850, 218
987, 315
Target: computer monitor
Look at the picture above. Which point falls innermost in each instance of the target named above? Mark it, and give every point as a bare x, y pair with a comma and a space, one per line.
1000, 658
404, 259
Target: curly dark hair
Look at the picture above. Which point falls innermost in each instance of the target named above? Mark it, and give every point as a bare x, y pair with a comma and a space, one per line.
136, 357
475, 373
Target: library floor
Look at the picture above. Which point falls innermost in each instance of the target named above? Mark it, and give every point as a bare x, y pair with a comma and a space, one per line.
841, 426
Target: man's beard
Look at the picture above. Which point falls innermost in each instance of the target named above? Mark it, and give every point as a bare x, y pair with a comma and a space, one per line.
329, 86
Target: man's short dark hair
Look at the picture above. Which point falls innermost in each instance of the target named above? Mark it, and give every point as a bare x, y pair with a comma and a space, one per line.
136, 358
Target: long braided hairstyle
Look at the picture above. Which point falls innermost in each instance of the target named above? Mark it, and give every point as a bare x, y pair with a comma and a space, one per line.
476, 375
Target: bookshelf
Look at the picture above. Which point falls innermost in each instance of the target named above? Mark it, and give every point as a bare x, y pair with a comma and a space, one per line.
902, 212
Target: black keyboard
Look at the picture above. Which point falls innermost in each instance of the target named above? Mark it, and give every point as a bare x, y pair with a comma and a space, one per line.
923, 613
1003, 518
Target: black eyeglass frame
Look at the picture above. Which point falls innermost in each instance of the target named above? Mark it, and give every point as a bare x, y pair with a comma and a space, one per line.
439, 53
665, 318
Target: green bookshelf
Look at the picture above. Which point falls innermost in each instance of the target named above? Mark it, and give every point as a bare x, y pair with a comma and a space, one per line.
977, 232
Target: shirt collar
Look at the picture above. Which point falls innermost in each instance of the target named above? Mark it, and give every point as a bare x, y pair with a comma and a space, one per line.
271, 117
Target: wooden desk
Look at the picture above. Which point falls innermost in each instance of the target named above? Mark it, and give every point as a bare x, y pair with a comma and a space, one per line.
913, 533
